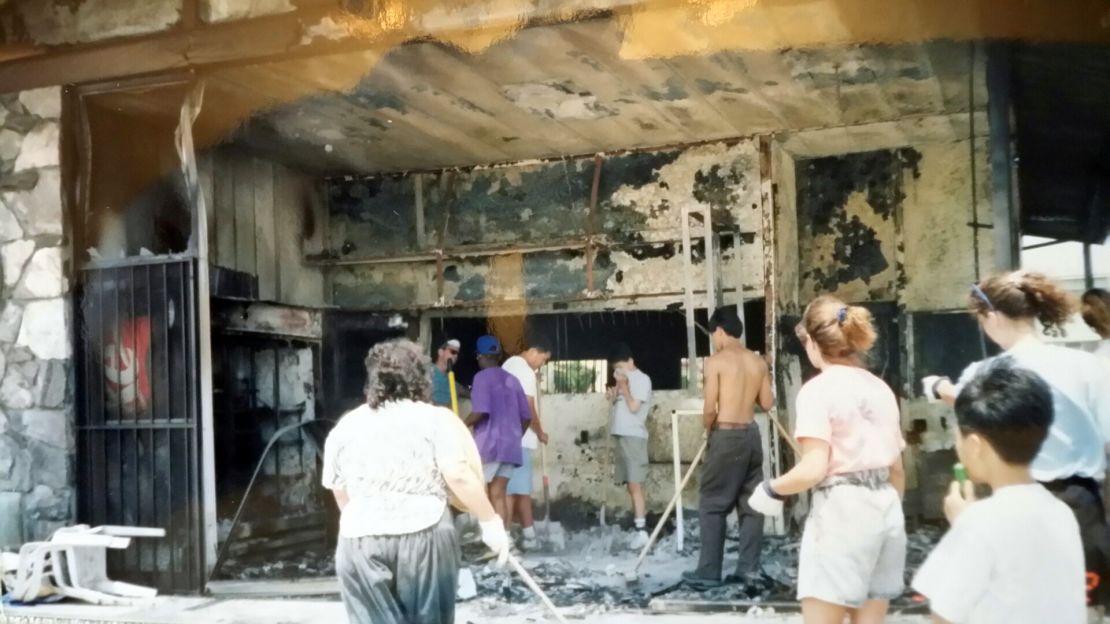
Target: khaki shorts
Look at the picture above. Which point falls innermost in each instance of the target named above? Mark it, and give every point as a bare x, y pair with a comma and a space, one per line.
853, 546
632, 459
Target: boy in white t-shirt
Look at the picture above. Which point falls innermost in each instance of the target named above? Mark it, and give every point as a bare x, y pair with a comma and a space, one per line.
1016, 556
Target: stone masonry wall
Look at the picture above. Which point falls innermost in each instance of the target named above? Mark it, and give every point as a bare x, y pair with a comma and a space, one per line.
36, 398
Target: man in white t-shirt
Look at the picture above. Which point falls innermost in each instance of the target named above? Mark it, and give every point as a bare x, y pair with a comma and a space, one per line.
525, 367
1015, 557
631, 404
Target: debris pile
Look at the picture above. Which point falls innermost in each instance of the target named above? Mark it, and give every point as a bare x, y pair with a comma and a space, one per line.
587, 576
308, 564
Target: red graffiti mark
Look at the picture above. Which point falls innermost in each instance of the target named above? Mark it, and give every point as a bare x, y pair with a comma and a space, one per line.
1093, 581
126, 367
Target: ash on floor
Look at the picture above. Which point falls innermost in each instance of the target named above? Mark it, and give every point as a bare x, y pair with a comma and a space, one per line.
589, 576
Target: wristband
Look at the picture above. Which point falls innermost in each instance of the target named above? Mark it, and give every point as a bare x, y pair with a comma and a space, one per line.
771, 491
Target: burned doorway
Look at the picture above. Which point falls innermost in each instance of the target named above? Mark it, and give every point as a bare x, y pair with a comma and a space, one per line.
139, 414
273, 513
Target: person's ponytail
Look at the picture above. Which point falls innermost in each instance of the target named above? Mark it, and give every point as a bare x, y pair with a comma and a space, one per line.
1022, 294
858, 329
840, 330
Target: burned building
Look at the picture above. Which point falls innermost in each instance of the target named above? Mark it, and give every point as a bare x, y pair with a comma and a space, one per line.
212, 209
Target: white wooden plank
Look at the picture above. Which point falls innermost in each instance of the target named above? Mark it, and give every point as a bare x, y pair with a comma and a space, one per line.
223, 177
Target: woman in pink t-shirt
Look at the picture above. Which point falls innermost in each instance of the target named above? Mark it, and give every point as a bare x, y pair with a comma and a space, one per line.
854, 545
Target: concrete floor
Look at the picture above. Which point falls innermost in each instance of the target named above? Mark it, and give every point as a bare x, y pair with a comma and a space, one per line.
167, 610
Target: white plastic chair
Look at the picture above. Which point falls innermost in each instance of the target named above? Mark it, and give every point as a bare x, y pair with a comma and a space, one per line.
80, 563
35, 571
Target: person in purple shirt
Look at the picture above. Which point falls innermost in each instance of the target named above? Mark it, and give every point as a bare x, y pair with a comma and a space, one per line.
500, 415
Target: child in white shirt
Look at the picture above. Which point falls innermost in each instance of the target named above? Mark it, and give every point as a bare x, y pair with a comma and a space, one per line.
1016, 556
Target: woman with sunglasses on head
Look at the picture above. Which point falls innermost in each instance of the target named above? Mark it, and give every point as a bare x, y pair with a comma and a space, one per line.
853, 551
1073, 456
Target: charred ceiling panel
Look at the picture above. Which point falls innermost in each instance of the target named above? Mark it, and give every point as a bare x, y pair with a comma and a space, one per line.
848, 209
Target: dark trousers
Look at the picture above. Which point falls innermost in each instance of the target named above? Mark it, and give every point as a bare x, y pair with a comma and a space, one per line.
400, 579
1083, 497
732, 470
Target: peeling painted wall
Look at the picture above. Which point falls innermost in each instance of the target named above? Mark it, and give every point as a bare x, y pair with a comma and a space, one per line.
893, 226
580, 454
637, 228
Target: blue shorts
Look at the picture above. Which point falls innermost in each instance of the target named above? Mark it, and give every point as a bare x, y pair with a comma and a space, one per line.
492, 470
520, 484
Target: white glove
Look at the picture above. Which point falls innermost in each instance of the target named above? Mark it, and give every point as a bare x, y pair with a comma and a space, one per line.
763, 502
495, 536
928, 384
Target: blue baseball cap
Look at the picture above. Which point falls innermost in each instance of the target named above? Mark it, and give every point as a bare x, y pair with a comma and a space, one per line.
489, 345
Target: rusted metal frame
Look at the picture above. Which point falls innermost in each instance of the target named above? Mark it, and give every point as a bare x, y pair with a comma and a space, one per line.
418, 207
591, 226
441, 240
484, 305
770, 290
688, 303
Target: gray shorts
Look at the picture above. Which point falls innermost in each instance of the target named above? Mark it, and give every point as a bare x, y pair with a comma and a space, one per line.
632, 459
492, 470
854, 543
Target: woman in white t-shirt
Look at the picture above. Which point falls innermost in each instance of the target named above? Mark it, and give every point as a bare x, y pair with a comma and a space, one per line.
853, 551
1073, 456
392, 464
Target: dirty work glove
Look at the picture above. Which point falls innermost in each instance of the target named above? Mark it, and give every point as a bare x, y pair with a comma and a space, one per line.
929, 387
495, 536
765, 500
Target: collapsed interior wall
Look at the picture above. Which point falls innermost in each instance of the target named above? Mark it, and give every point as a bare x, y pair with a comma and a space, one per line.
37, 445
540, 214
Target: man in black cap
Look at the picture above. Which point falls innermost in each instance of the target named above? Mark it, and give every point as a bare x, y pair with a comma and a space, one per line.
736, 380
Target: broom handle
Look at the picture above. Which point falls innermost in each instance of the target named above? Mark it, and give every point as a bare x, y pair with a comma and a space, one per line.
671, 506
532, 585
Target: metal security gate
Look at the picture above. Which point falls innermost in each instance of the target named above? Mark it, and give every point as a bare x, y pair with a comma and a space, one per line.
138, 416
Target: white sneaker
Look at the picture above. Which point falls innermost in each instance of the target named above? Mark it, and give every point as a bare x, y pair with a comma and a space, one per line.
530, 543
639, 540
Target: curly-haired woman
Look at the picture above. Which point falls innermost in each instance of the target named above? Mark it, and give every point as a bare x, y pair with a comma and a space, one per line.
1096, 312
392, 464
1072, 458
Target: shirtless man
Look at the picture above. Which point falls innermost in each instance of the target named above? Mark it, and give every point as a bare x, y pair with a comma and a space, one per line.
736, 380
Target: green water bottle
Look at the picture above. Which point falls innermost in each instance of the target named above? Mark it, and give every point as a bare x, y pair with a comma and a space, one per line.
959, 472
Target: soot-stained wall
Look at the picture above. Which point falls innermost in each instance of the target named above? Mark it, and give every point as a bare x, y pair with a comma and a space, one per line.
892, 229
636, 226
